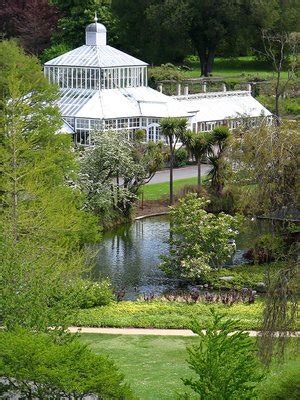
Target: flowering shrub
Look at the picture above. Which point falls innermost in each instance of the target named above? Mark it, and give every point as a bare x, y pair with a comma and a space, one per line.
195, 268
199, 241
87, 294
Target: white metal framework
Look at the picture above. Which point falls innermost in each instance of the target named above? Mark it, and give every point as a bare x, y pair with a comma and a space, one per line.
96, 78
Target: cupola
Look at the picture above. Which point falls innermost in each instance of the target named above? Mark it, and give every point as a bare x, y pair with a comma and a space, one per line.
95, 34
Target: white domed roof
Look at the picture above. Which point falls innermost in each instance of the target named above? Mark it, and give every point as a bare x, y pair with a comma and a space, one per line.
96, 27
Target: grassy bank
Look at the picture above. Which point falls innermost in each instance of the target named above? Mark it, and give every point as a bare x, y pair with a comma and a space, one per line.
166, 314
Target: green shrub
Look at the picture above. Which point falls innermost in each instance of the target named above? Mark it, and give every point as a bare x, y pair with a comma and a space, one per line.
201, 192
85, 294
56, 370
165, 72
226, 366
222, 202
92, 294
181, 157
198, 239
191, 59
282, 384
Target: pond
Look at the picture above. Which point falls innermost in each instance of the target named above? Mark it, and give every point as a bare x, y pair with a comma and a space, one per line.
130, 254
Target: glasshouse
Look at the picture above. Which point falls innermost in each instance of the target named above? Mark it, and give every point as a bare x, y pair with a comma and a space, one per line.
104, 88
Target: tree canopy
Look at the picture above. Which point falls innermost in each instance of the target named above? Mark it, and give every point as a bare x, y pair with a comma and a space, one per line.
43, 225
213, 25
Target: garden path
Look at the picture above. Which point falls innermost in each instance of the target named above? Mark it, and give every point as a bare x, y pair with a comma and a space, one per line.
146, 331
179, 173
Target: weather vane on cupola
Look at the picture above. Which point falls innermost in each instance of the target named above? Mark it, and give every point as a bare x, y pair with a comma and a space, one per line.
96, 18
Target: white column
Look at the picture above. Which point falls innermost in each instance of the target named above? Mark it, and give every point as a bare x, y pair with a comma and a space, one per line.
178, 89
160, 87
224, 87
249, 88
204, 87
186, 90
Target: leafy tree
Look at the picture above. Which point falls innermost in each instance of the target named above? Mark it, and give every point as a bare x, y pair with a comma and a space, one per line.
219, 165
43, 226
54, 51
147, 36
174, 131
265, 160
281, 49
199, 144
199, 240
77, 14
210, 23
34, 365
280, 311
113, 171
12, 57
224, 361
32, 21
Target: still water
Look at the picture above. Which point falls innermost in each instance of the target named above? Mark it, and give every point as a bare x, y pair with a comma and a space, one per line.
130, 255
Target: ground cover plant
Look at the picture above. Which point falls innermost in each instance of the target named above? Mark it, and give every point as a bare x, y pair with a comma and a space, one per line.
167, 314
251, 276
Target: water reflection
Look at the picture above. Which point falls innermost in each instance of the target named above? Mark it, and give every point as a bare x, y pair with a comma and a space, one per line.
130, 254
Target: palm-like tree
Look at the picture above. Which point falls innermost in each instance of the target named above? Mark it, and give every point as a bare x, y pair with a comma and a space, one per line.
199, 145
219, 140
174, 130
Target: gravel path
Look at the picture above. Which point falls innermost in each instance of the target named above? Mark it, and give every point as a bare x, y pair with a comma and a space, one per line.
145, 331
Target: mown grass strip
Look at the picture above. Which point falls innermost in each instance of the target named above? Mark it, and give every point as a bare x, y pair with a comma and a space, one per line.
157, 191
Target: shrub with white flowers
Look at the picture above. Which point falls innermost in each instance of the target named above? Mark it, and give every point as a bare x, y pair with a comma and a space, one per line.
199, 241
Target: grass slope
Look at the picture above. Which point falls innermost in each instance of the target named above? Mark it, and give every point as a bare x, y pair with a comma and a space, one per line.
153, 366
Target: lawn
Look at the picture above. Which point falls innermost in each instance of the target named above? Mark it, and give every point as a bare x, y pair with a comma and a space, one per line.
238, 67
156, 191
152, 365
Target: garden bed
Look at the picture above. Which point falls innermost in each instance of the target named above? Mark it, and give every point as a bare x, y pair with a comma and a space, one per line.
167, 314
